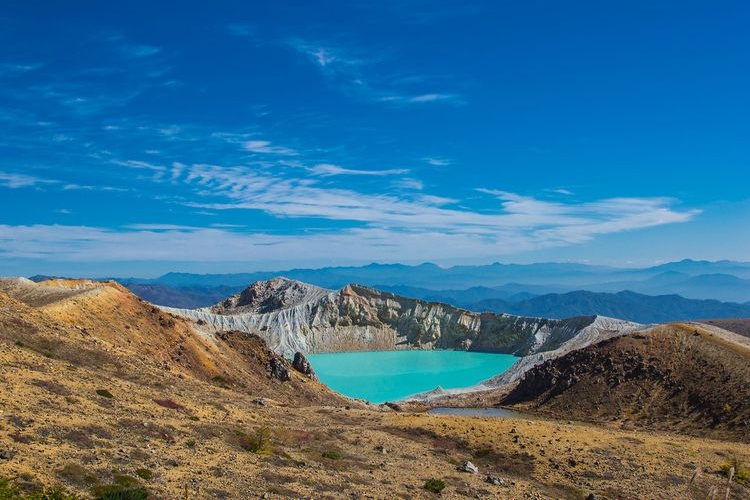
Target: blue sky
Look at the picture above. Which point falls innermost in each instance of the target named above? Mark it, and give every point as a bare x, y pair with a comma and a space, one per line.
146, 137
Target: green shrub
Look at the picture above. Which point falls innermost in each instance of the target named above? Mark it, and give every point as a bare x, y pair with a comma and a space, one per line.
333, 455
741, 472
259, 442
190, 443
144, 474
9, 491
104, 393
75, 473
123, 487
434, 485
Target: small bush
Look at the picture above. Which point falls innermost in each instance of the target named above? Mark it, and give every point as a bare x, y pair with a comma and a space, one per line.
434, 485
333, 455
104, 393
741, 472
9, 491
75, 473
193, 418
123, 487
20, 438
118, 492
258, 442
144, 474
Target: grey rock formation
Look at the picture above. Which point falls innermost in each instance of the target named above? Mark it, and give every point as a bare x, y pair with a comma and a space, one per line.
295, 317
468, 467
266, 296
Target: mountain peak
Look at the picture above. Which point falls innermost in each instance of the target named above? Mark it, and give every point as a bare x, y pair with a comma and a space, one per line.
265, 296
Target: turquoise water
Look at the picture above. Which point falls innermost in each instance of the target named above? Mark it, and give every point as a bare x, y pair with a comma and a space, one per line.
380, 376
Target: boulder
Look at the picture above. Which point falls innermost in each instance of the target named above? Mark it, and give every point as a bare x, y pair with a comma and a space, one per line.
278, 370
468, 467
302, 365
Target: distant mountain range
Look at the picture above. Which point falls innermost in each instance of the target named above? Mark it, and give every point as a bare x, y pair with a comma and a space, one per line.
626, 305
721, 280
674, 291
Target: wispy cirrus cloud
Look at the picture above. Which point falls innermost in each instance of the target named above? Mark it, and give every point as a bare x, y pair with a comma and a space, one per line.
533, 219
328, 170
434, 98
358, 74
265, 147
14, 180
437, 162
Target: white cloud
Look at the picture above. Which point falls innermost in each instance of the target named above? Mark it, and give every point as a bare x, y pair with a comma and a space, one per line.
359, 76
14, 180
326, 57
408, 183
523, 217
433, 98
327, 170
438, 162
265, 147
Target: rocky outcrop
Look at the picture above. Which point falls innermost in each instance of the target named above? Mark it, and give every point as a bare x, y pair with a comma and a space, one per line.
295, 317
277, 369
302, 365
266, 296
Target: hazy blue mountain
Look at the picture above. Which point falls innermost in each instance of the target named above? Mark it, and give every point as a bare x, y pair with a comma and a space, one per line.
625, 305
717, 286
723, 280
188, 297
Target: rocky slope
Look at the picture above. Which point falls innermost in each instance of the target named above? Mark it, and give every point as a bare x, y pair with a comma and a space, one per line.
682, 377
292, 316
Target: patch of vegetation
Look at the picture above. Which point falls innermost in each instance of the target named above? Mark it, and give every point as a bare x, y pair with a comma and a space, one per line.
20, 438
741, 472
190, 443
104, 393
194, 418
434, 485
10, 491
76, 473
333, 455
259, 442
168, 403
123, 487
144, 474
